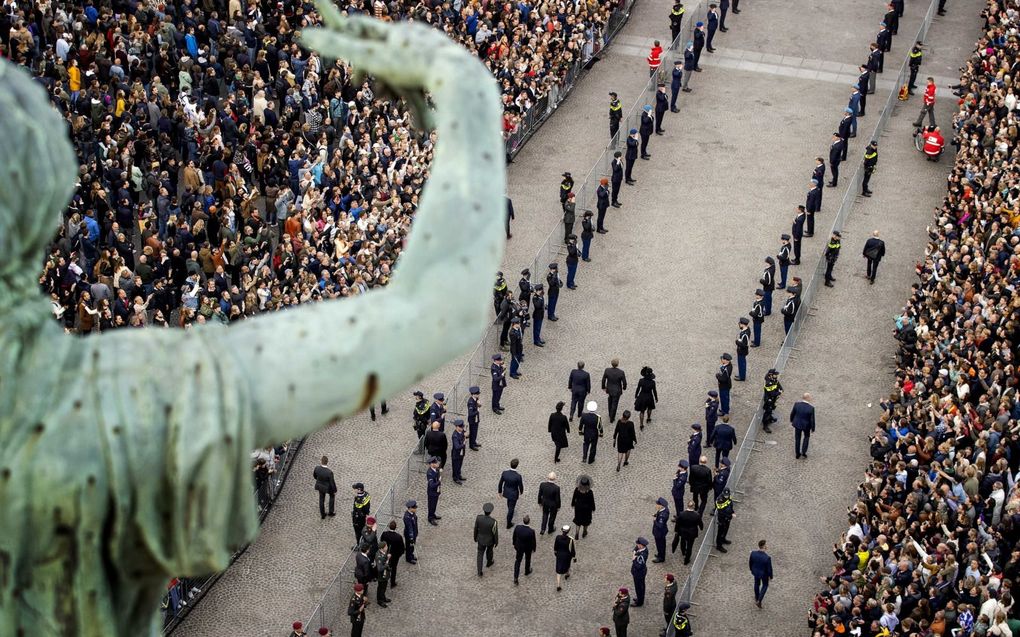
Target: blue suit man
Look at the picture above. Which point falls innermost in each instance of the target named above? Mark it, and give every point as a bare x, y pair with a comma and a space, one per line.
713, 25
458, 443
725, 439
410, 531
676, 84
761, 568
679, 485
511, 486
802, 417
855, 109
435, 482
660, 528
694, 445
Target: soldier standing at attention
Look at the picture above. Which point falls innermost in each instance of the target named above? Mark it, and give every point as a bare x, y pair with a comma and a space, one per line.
632, 153
675, 84
812, 205
554, 283
524, 285
602, 204
621, 612
647, 126
711, 414
639, 569
679, 485
617, 179
694, 444
410, 530
757, 316
660, 528
784, 260
537, 315
790, 309
768, 283
498, 373
435, 482
724, 377
459, 447
743, 344
474, 417
797, 230
615, 115
661, 106
587, 233
356, 610
835, 157
516, 348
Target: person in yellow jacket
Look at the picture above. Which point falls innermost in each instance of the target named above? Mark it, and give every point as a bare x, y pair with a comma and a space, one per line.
74, 81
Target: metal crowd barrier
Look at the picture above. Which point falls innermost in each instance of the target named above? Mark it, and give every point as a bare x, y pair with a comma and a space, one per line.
740, 461
184, 592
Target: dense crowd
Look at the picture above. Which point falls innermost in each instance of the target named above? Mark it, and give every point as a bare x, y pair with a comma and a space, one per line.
933, 541
225, 171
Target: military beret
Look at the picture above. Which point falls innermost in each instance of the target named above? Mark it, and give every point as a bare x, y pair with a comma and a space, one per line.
699, 24
439, 395
726, 357
696, 426
297, 625
358, 485
497, 357
633, 131
411, 504
684, 464
604, 630
359, 587
458, 422
743, 320
784, 237
677, 62
488, 507
648, 107
624, 590
713, 393
323, 630
587, 213
642, 541
370, 520
759, 292
473, 389
670, 577
539, 287
662, 502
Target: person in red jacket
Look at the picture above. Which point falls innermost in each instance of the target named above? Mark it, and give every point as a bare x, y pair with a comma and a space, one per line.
928, 106
933, 144
654, 58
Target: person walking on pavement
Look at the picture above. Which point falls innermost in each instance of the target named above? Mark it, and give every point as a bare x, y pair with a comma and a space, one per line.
624, 437
549, 500
725, 440
687, 525
639, 569
660, 528
579, 384
771, 392
614, 383
761, 568
590, 427
510, 488
802, 418
565, 553
397, 549
559, 427
486, 535
325, 484
525, 544
831, 255
928, 106
723, 517
646, 396
361, 508
583, 503
874, 251
870, 161
654, 58
621, 612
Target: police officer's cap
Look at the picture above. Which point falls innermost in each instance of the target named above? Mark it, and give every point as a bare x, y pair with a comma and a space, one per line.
802, 208
433, 460
713, 393
642, 541
411, 504
567, 175
696, 426
516, 321
662, 502
587, 213
497, 357
474, 389
684, 464
836, 233
487, 507
359, 486
438, 396
539, 287
759, 292
784, 237
418, 394
743, 320
612, 94
726, 491
662, 85
726, 356
874, 142
678, 63
726, 461
618, 154
770, 260
648, 108
633, 131
526, 272
699, 24
682, 606
499, 275
773, 371
458, 422
553, 266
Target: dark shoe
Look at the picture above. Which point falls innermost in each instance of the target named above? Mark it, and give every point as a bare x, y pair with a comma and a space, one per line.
674, 110
687, 561
766, 429
646, 157
433, 523
617, 205
638, 605
727, 542
559, 588
412, 561
687, 90
456, 481
602, 231
625, 463
828, 284
660, 132
528, 572
324, 517
710, 50
797, 457
332, 515
480, 574
586, 260
387, 599
617, 467
489, 564
509, 525
803, 455
866, 193
554, 318
797, 262
380, 604
830, 185
631, 182
721, 549
806, 236
852, 135
571, 287
736, 11
516, 583
439, 517
698, 69
540, 344
871, 281
585, 532
724, 29
758, 604
657, 561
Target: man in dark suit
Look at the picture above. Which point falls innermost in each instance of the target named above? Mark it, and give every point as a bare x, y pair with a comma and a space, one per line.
812, 205
363, 566
700, 480
486, 535
549, 500
874, 250
797, 230
614, 383
617, 179
835, 157
437, 444
579, 384
511, 486
524, 545
325, 484
602, 205
725, 439
688, 524
631, 156
761, 567
803, 420
396, 543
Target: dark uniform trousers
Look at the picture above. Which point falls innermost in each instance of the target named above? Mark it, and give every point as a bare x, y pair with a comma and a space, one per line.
548, 518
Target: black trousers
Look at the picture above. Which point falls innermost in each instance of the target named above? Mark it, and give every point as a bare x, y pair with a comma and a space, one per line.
686, 544
601, 219
614, 404
630, 168
867, 180
721, 529
621, 628
380, 591
588, 450
548, 519
834, 167
614, 127
322, 503
796, 249
658, 120
809, 224
616, 191
357, 628
522, 555
872, 268
393, 570
644, 144
487, 552
829, 264
801, 438
700, 499
577, 402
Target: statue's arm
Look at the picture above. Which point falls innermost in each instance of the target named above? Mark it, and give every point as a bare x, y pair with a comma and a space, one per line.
314, 364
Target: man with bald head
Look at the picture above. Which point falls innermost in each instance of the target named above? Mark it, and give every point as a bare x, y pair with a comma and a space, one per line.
803, 420
549, 500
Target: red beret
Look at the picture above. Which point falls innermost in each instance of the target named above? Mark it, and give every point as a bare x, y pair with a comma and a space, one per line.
670, 577
359, 587
297, 625
323, 631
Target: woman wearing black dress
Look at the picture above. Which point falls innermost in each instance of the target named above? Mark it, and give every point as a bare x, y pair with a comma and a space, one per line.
584, 505
646, 396
563, 549
559, 427
624, 438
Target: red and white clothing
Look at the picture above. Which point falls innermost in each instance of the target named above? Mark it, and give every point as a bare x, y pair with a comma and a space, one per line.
929, 95
933, 143
655, 58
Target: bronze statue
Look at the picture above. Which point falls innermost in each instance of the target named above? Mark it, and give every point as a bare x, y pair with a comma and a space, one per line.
124, 458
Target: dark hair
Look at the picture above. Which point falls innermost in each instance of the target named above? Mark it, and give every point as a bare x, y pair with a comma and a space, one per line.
325, 460
392, 525
527, 519
626, 414
761, 544
514, 463
580, 364
560, 405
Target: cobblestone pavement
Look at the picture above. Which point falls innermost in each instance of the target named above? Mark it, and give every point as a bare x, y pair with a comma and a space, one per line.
664, 289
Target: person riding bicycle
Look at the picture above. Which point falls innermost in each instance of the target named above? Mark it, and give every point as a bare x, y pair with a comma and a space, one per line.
934, 143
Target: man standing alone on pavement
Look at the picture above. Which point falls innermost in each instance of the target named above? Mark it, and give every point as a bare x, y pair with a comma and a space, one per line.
524, 545
325, 484
802, 417
511, 486
486, 534
761, 567
874, 250
614, 383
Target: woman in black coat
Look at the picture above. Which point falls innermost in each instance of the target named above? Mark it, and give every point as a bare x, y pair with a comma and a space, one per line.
646, 396
624, 438
559, 427
563, 549
584, 505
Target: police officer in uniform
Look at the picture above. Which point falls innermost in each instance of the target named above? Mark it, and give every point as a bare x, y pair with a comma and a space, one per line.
797, 230
498, 292
660, 528
694, 444
723, 516
884, 38
435, 486
722, 476
615, 115
843, 130
675, 84
505, 315
724, 377
812, 205
724, 7
410, 530
516, 348
459, 450
743, 342
870, 161
639, 569
537, 315
661, 106
566, 186
713, 25
362, 507
679, 485
699, 44
835, 156
681, 622
647, 126
862, 85
676, 18
524, 285
602, 204
422, 409
768, 283
474, 417
784, 260
587, 232
498, 372
790, 308
831, 255
632, 153
572, 258
757, 316
617, 179
916, 57
711, 415
554, 283
437, 413
772, 390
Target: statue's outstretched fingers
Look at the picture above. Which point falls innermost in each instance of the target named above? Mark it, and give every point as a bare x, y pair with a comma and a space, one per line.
358, 53
420, 110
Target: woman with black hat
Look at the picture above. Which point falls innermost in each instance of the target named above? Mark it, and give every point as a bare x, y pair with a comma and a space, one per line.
646, 396
583, 502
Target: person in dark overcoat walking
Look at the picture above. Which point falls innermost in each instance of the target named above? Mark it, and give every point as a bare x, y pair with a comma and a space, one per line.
624, 437
566, 553
583, 502
559, 427
646, 396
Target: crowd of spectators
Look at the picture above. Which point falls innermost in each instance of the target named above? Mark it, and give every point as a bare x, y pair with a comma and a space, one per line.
933, 541
224, 170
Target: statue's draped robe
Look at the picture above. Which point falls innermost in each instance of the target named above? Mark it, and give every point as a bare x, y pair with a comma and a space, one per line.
123, 461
